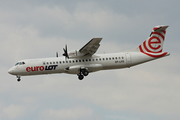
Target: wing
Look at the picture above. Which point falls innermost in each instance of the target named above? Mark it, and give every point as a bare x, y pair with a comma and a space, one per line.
91, 47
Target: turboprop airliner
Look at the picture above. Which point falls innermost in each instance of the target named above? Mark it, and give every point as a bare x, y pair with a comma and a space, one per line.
84, 61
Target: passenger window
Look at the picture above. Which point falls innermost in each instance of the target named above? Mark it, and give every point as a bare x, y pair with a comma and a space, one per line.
92, 59
113, 58
56, 62
106, 58
103, 58
76, 60
50, 62
119, 57
53, 62
83, 60
89, 59
66, 61
73, 61
116, 58
79, 60
47, 63
44, 63
96, 59
109, 58
100, 59
60, 62
63, 62
69, 61
86, 60
122, 57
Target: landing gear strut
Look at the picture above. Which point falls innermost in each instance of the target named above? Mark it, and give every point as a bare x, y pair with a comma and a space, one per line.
83, 72
18, 78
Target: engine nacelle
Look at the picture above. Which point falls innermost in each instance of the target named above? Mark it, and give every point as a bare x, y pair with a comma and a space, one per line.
73, 69
90, 68
75, 54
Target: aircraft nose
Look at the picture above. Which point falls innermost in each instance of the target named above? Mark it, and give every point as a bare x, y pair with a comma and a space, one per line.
11, 71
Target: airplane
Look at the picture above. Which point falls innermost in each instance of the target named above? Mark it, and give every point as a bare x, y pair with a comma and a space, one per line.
85, 61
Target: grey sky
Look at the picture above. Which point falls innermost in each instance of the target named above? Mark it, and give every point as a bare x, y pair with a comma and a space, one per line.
39, 28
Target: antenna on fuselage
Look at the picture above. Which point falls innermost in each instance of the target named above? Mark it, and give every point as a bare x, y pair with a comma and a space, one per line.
56, 54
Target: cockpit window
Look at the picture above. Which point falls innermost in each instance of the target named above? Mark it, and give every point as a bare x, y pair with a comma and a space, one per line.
20, 63
16, 64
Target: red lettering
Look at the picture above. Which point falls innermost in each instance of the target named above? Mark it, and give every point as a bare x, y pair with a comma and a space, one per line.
35, 68
28, 69
41, 68
158, 41
32, 68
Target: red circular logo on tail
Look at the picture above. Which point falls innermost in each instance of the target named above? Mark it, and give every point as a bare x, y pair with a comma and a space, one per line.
153, 44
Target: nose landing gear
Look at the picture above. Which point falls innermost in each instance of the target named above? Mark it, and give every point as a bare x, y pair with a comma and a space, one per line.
18, 78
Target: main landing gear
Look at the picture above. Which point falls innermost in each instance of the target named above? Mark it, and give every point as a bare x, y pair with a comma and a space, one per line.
18, 78
83, 72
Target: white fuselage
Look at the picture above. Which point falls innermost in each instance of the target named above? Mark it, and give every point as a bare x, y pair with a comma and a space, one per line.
72, 66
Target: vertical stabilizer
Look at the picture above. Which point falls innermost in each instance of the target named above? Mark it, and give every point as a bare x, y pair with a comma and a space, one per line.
153, 46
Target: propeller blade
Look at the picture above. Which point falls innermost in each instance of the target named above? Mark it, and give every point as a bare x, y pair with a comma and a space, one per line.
66, 48
65, 52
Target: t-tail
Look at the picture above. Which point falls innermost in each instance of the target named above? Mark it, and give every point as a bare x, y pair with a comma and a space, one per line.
153, 46
150, 49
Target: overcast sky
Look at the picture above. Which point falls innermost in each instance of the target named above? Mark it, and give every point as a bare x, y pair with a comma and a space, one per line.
40, 28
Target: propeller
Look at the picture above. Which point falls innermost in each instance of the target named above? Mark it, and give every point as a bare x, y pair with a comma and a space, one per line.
65, 52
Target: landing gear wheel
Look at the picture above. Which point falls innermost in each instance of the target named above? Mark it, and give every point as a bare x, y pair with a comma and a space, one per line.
85, 73
18, 79
80, 77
